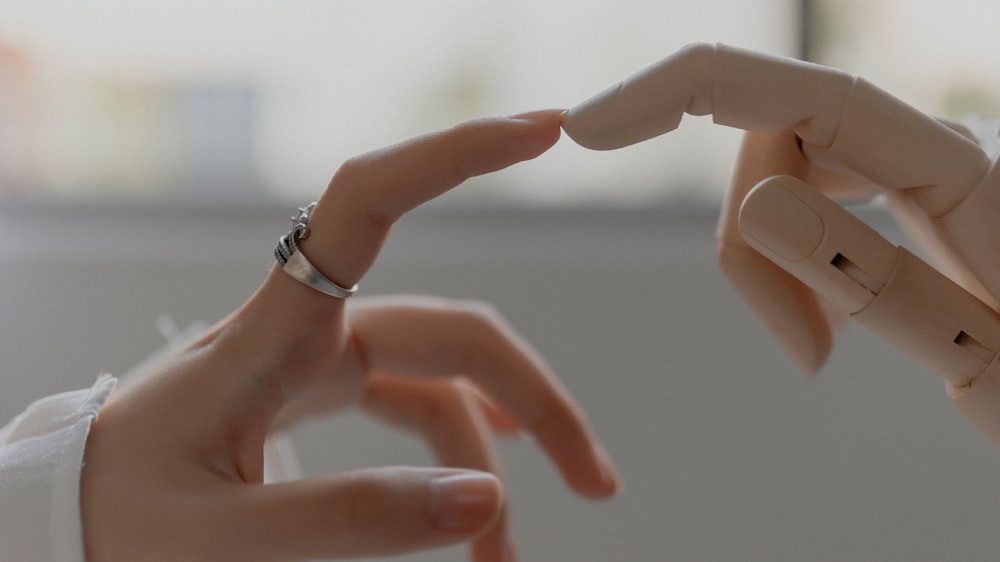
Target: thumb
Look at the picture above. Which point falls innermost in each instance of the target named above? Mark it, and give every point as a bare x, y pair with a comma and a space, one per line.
374, 512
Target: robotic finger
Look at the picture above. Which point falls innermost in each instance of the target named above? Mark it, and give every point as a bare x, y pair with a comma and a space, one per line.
888, 289
786, 306
784, 245
837, 117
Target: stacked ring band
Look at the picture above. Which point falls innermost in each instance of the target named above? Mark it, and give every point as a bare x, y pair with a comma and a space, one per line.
294, 262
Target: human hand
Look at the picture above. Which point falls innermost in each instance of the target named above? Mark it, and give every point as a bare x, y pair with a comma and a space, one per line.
174, 464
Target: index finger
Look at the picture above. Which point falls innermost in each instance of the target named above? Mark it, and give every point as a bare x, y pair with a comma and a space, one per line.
370, 192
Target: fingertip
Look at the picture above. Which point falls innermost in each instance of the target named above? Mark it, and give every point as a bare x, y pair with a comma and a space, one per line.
786, 306
595, 478
611, 479
584, 464
545, 127
809, 354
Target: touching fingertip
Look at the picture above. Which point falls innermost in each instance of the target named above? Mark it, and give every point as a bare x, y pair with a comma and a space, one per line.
540, 115
465, 502
543, 130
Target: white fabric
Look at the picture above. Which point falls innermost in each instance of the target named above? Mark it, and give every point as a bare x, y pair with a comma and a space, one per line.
41, 454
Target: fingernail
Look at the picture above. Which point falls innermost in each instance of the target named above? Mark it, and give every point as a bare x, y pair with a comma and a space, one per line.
464, 502
539, 115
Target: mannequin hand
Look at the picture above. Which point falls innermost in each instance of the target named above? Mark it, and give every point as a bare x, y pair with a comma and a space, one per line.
174, 464
814, 130
837, 134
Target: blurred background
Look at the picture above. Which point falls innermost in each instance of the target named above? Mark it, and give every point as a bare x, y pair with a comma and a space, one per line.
150, 154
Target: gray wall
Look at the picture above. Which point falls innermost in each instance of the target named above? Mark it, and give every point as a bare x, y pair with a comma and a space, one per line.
727, 452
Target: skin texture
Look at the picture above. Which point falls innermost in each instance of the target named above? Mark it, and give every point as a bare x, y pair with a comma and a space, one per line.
173, 466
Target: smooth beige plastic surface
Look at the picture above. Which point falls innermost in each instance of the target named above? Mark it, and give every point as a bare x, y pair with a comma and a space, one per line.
802, 325
978, 401
788, 248
879, 284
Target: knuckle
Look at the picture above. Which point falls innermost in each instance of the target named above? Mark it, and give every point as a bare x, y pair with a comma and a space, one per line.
437, 412
446, 410
349, 173
484, 329
349, 183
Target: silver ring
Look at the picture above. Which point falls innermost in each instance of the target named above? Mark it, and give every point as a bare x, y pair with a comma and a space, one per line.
294, 262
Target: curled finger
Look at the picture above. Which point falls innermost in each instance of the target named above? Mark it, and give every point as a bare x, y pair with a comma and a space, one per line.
373, 512
428, 337
449, 415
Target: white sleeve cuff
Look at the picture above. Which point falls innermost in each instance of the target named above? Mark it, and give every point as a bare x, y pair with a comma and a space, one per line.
41, 454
